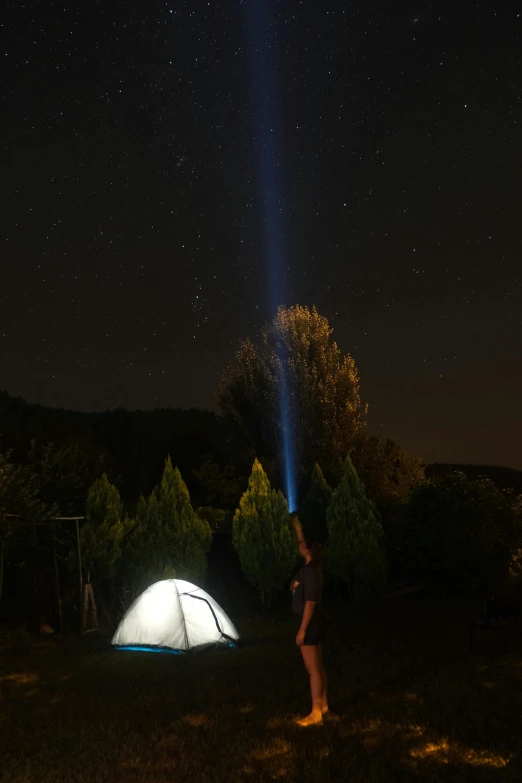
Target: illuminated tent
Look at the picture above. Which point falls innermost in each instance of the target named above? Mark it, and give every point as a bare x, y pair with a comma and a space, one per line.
174, 616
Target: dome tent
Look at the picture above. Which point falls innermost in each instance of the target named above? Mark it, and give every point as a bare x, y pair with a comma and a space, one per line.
174, 616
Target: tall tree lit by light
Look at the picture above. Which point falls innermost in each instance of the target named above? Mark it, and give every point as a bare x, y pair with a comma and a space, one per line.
262, 45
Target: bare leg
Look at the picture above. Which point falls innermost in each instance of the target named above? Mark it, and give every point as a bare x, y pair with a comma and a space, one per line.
311, 660
324, 697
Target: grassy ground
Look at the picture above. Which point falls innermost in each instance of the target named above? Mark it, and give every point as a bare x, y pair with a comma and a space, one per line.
411, 704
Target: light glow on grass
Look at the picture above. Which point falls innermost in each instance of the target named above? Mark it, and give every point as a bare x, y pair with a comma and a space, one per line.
445, 751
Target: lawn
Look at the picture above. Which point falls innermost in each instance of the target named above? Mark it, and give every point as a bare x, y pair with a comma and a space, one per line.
410, 703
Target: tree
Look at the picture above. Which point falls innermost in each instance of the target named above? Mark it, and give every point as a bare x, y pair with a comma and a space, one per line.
20, 503
62, 475
460, 534
169, 539
315, 505
355, 552
104, 528
219, 520
262, 537
221, 487
388, 472
100, 538
58, 478
297, 359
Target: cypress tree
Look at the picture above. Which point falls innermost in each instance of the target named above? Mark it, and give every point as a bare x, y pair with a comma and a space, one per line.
355, 553
100, 538
170, 539
315, 505
104, 527
262, 537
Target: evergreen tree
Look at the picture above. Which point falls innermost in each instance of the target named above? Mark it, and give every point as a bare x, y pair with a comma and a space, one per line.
315, 505
100, 542
261, 535
104, 528
169, 539
355, 552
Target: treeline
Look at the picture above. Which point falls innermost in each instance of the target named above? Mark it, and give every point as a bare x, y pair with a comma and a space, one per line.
155, 487
452, 534
504, 478
45, 554
132, 444
210, 453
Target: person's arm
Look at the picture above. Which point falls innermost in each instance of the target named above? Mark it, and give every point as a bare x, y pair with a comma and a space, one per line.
307, 616
298, 530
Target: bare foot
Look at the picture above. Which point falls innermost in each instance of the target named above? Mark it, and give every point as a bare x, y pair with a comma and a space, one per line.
314, 719
324, 710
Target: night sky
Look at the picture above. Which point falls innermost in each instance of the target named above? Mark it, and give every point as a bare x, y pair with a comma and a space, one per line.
170, 171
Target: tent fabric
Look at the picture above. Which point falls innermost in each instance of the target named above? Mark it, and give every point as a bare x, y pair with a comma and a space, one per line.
174, 614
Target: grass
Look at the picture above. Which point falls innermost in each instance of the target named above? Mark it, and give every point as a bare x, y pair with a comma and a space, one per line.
411, 704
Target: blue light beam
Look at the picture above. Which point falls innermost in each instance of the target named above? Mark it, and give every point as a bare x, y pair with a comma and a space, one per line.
263, 49
287, 431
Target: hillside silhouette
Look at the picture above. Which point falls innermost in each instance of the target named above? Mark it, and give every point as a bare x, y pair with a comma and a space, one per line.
135, 443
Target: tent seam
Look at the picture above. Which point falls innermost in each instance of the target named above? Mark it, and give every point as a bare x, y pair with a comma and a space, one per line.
182, 617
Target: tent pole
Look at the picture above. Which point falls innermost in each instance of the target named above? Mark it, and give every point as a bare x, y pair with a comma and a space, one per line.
182, 614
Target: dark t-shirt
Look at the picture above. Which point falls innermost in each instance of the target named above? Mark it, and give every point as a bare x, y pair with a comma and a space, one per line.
307, 586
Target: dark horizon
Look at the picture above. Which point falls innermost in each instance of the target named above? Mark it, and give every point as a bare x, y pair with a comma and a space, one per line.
427, 463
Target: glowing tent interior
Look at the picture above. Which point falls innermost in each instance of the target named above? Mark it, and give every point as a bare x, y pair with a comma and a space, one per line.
174, 616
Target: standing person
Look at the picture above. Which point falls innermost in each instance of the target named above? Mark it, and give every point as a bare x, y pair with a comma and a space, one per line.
307, 589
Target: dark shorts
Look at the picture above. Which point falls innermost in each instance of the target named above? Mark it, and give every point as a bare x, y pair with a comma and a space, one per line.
316, 630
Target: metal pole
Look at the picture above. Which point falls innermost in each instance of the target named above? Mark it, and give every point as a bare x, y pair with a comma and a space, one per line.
2, 556
57, 578
82, 614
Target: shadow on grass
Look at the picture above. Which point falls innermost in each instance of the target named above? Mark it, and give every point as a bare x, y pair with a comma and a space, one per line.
410, 704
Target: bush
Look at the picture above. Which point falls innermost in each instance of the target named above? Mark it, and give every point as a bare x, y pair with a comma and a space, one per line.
389, 473
460, 534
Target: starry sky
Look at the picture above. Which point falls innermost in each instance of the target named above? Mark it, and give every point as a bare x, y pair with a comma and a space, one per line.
172, 169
